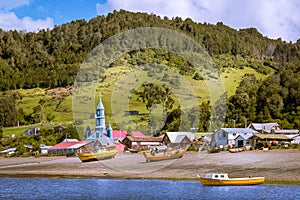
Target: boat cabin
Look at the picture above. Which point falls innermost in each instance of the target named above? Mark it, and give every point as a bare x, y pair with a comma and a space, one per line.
216, 176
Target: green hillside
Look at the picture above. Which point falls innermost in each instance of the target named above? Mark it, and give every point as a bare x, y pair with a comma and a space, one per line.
38, 70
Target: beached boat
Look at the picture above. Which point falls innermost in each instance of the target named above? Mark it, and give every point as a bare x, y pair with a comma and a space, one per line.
212, 179
101, 154
235, 150
163, 153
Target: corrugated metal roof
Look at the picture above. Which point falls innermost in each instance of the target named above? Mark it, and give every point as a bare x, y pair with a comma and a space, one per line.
238, 130
119, 134
66, 145
245, 137
145, 139
173, 136
263, 126
137, 134
286, 131
272, 137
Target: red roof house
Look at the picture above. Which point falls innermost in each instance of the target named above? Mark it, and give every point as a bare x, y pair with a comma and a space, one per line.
67, 146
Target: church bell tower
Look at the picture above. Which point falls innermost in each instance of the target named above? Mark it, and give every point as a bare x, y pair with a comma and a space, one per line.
100, 117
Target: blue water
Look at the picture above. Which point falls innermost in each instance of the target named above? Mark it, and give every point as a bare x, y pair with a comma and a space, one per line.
44, 188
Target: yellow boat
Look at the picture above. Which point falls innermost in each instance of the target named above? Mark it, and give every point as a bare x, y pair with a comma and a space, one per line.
223, 180
163, 153
101, 154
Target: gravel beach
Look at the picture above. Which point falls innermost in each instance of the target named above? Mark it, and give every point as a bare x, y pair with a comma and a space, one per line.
275, 165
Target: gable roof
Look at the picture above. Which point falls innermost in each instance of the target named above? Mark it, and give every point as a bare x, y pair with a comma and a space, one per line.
119, 134
244, 137
69, 145
263, 126
137, 134
174, 137
104, 140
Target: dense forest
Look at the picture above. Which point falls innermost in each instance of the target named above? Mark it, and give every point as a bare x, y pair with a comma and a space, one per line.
51, 58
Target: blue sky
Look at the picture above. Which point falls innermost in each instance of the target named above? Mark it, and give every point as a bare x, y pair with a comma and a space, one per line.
273, 18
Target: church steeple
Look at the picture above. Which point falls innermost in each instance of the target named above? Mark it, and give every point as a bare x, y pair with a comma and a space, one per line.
100, 117
109, 131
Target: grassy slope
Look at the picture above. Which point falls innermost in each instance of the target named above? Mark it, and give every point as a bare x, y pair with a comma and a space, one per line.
232, 77
62, 112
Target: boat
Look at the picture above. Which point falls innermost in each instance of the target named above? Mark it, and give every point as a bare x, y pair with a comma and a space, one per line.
133, 150
101, 154
163, 153
214, 179
235, 150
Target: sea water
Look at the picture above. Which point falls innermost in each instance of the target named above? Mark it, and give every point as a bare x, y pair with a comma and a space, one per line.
45, 188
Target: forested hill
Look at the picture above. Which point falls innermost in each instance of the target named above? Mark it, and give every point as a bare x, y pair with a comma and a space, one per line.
50, 58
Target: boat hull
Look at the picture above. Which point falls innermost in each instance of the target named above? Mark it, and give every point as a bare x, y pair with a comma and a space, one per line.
236, 150
165, 156
232, 181
95, 156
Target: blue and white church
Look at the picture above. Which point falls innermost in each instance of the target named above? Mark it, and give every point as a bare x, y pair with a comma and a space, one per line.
101, 131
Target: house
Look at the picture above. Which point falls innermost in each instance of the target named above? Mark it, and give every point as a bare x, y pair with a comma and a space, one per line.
131, 112
259, 138
178, 139
241, 141
11, 136
141, 143
28, 147
227, 136
95, 145
8, 151
32, 132
264, 127
44, 149
296, 138
58, 128
118, 135
67, 146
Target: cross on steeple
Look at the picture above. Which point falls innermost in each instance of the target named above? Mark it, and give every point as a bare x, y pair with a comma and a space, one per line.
100, 95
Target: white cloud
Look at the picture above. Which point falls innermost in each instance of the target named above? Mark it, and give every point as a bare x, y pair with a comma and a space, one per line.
11, 4
9, 21
273, 18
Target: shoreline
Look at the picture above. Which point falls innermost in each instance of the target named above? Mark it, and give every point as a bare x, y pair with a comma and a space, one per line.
277, 166
47, 176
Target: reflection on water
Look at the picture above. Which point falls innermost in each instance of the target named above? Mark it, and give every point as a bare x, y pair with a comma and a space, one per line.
44, 188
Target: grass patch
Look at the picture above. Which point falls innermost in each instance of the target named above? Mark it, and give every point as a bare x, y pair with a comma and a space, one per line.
232, 77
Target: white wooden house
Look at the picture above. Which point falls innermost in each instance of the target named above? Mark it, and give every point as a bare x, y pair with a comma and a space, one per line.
179, 139
227, 136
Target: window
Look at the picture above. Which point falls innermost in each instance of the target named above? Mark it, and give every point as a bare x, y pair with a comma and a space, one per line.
222, 176
216, 176
224, 134
234, 134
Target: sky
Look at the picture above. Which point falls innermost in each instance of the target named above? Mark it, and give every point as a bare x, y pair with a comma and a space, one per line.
273, 18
